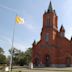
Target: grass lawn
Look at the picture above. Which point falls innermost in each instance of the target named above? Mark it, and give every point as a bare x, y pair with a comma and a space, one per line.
42, 70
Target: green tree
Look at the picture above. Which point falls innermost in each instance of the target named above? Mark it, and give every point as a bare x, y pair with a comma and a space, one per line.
18, 56
2, 59
21, 58
25, 57
28, 55
1, 51
2, 56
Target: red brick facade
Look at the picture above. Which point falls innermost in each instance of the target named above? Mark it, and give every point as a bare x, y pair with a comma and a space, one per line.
53, 49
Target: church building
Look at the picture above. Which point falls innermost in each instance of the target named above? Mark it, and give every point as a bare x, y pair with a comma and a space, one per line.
53, 49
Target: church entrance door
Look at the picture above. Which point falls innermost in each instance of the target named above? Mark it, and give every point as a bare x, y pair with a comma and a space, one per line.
68, 61
47, 60
37, 61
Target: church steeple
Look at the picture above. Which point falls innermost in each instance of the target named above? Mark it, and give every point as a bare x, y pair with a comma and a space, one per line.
50, 25
71, 38
62, 29
50, 9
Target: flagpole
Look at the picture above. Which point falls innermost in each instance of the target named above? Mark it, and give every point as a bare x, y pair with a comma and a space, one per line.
17, 20
11, 59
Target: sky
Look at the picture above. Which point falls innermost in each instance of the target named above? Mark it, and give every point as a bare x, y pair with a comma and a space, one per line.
32, 12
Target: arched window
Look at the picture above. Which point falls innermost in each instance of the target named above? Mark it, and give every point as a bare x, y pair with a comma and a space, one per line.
48, 23
47, 37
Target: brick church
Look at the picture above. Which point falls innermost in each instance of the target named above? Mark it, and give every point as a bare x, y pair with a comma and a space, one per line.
53, 49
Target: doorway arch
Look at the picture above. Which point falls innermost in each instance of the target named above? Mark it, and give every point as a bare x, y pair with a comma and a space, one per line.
37, 61
68, 61
47, 61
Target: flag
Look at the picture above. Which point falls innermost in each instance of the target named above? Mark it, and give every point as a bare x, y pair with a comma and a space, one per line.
19, 20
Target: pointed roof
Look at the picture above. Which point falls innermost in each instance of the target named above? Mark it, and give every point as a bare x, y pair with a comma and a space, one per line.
34, 42
71, 38
50, 9
54, 12
45, 12
62, 29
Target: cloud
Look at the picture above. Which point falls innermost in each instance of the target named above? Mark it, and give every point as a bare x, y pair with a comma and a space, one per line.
21, 46
67, 18
5, 39
69, 32
6, 44
29, 26
10, 9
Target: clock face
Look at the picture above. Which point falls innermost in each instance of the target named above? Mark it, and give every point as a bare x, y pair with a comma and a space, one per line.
47, 37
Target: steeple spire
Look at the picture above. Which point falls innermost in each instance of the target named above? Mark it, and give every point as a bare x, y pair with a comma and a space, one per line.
71, 38
50, 9
62, 29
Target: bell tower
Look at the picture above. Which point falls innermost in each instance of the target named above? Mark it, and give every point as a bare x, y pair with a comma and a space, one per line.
50, 25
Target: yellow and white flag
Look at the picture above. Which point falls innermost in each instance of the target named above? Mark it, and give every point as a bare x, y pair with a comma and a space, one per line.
19, 20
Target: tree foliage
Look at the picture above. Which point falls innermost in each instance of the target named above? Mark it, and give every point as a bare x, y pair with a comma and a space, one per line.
2, 56
2, 59
21, 58
1, 51
28, 55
